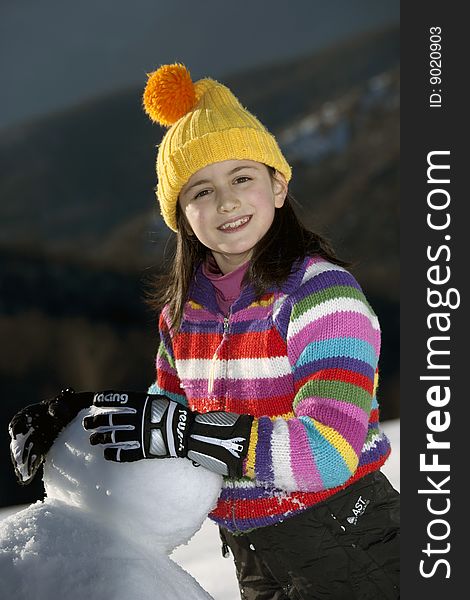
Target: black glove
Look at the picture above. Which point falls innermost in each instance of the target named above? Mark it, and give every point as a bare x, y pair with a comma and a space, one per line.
139, 426
219, 441
153, 426
35, 427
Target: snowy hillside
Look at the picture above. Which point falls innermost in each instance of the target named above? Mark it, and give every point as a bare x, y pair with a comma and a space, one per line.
329, 130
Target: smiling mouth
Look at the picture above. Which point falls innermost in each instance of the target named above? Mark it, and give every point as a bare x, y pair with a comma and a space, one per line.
232, 225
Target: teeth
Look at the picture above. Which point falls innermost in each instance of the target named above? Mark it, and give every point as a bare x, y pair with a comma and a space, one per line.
235, 224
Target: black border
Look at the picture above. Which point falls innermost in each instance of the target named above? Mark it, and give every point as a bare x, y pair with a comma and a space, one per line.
425, 129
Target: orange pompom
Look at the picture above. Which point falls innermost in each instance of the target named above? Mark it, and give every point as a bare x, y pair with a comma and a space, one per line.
169, 94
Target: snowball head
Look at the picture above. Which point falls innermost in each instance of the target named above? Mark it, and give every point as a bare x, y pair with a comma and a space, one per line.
157, 502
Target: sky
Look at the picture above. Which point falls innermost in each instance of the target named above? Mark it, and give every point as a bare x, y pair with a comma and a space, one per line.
56, 53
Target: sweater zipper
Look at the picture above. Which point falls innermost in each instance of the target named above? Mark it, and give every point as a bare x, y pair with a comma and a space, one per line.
214, 358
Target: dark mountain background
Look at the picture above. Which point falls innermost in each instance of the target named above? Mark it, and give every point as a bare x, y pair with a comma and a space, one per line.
54, 54
81, 239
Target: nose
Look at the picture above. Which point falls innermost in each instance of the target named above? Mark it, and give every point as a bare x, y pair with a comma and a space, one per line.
227, 201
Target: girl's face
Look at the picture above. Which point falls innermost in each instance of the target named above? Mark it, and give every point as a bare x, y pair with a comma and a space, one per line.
230, 205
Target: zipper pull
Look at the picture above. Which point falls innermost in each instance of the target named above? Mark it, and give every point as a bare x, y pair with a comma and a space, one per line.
233, 445
210, 384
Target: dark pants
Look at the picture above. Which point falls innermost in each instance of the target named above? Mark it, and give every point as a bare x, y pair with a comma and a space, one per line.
345, 548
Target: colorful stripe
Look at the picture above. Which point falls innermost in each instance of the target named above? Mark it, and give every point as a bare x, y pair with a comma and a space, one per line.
303, 361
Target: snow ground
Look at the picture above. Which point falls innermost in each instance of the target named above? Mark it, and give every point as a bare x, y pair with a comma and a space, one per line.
202, 557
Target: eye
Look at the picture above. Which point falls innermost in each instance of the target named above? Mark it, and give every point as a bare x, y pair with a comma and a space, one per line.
242, 179
201, 193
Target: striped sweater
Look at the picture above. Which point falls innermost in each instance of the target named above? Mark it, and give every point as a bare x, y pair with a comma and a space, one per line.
303, 361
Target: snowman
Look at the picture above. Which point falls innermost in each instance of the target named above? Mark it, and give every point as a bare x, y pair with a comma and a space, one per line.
105, 530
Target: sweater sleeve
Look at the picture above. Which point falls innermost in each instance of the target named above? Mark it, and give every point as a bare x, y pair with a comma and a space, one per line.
167, 381
333, 343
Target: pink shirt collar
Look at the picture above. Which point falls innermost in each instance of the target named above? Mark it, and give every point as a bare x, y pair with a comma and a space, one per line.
227, 287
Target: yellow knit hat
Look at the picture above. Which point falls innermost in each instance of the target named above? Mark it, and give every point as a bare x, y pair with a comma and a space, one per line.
207, 124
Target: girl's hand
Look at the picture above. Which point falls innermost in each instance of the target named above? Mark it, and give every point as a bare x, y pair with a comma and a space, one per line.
134, 425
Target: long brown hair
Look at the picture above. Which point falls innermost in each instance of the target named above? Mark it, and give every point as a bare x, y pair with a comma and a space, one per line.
286, 241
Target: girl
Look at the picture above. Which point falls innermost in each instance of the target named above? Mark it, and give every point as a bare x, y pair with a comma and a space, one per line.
267, 365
